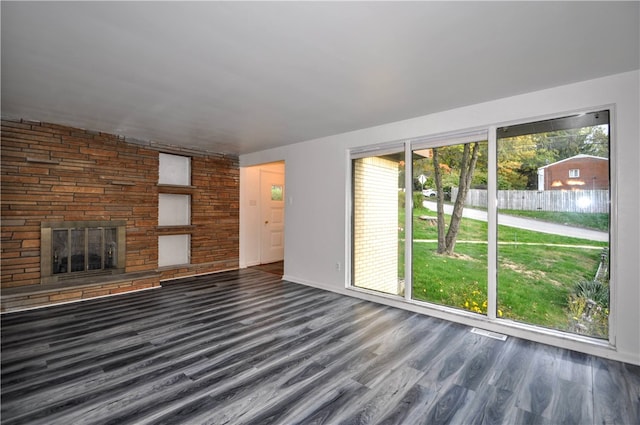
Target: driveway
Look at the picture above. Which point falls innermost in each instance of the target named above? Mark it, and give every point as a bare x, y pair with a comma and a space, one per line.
528, 224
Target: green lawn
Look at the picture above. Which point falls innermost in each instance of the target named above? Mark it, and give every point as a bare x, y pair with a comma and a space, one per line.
534, 282
476, 230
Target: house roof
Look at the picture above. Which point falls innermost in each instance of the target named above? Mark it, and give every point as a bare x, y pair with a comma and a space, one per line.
239, 77
579, 156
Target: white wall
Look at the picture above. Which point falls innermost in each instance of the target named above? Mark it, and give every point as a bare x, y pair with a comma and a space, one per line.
317, 216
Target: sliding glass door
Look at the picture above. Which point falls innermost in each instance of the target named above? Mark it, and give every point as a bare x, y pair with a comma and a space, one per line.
449, 263
553, 223
512, 224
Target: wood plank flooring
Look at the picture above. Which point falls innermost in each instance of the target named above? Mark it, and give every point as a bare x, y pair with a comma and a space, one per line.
273, 268
244, 347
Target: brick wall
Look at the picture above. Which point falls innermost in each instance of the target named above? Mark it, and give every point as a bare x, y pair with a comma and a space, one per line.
594, 175
56, 173
375, 256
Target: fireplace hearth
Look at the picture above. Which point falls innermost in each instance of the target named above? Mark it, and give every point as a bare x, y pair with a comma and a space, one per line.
74, 250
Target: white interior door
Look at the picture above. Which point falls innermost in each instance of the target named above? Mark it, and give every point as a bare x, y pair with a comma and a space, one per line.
272, 216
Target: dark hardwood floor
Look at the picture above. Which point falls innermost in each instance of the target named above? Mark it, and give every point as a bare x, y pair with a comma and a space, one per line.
244, 347
273, 268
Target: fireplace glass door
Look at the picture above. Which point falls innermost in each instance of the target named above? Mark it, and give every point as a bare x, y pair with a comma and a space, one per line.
84, 249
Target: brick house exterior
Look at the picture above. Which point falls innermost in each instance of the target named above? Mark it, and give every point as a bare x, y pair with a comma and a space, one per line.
375, 227
579, 172
54, 173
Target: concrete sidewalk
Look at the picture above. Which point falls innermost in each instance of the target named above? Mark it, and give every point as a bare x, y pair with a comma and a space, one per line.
528, 224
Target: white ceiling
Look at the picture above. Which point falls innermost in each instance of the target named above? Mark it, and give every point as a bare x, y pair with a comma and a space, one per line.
238, 77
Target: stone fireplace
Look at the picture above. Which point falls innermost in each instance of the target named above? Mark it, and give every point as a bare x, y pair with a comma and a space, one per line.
71, 196
73, 250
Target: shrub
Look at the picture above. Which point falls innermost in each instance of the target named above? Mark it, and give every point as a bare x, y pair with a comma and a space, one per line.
593, 290
589, 308
417, 200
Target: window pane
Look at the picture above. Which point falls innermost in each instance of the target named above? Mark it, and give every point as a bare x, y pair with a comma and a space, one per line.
378, 223
276, 192
449, 232
553, 223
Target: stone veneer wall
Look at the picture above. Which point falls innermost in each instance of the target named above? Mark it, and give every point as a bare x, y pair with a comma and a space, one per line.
51, 172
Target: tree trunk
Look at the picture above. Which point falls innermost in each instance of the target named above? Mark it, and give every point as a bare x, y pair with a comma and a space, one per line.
440, 200
447, 244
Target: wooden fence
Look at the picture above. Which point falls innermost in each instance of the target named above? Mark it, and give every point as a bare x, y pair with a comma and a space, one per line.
596, 201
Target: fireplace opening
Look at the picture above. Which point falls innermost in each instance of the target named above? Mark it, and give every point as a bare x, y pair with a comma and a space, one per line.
79, 249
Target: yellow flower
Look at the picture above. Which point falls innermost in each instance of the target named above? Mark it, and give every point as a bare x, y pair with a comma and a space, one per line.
499, 313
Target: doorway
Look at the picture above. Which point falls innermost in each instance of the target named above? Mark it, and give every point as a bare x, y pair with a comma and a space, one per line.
262, 215
271, 216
